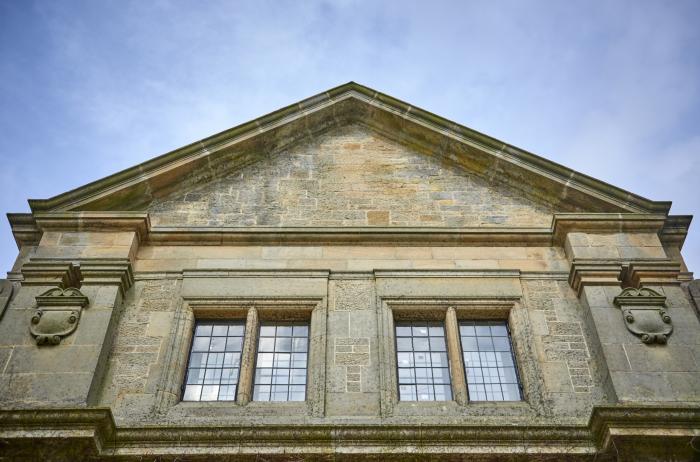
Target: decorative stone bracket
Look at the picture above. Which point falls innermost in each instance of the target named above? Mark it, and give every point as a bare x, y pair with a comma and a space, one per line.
644, 313
57, 315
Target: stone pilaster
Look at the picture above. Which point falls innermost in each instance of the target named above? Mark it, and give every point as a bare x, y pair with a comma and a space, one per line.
71, 296
352, 381
647, 333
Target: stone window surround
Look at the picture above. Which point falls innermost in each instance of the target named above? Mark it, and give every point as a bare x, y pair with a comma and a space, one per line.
253, 311
450, 311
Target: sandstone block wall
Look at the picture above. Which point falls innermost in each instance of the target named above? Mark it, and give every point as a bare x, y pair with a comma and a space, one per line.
553, 336
350, 177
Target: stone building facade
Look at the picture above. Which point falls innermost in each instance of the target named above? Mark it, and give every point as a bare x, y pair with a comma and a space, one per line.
349, 278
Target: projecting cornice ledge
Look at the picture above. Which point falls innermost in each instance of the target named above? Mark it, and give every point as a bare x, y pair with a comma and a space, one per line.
64, 433
28, 228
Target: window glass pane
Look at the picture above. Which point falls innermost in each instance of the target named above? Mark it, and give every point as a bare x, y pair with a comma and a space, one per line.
404, 359
299, 360
297, 376
234, 343
267, 331
210, 393
300, 331
403, 331
439, 359
266, 344
201, 344
280, 370
227, 393
283, 345
217, 344
215, 360
219, 330
297, 393
236, 330
192, 392
213, 376
299, 345
203, 330
407, 392
404, 344
488, 361
195, 376
198, 359
423, 371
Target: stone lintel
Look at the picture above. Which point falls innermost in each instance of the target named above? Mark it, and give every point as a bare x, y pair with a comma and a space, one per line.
45, 272
594, 273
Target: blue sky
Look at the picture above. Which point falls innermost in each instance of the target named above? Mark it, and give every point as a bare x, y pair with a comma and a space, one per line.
609, 88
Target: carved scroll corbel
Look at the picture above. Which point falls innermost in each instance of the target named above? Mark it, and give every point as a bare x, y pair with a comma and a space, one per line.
644, 312
57, 315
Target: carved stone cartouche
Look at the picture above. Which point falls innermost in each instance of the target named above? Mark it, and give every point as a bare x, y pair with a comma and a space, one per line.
57, 315
644, 312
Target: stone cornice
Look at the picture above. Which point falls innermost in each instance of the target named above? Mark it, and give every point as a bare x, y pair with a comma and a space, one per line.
563, 223
137, 222
675, 230
665, 422
24, 229
32, 429
28, 229
451, 273
235, 273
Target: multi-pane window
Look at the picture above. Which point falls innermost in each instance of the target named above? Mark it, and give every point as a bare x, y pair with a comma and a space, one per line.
488, 361
280, 368
423, 368
214, 365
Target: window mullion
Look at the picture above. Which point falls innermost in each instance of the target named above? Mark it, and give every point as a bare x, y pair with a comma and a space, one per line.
245, 382
454, 352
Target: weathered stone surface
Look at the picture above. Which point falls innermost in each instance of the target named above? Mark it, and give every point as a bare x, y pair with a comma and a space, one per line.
591, 389
350, 177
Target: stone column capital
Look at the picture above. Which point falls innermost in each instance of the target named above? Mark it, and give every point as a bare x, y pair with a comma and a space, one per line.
651, 272
590, 272
107, 272
47, 272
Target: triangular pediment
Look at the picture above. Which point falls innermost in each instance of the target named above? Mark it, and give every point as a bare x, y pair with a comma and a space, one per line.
348, 176
433, 143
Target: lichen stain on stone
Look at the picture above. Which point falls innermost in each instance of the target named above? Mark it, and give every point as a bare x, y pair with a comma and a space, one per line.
341, 178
